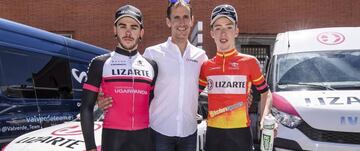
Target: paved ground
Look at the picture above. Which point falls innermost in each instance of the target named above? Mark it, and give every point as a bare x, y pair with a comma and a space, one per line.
257, 146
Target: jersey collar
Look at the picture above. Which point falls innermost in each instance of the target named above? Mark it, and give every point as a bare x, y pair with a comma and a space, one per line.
226, 54
125, 52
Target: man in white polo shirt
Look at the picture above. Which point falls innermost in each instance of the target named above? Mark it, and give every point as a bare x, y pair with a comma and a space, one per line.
174, 107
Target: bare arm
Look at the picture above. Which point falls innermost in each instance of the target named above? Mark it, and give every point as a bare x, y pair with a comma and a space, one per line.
265, 103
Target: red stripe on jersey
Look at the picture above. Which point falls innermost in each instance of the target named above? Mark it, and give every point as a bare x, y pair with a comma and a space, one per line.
126, 77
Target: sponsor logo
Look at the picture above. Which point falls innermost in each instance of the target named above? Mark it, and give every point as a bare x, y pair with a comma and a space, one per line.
192, 60
266, 141
214, 68
72, 130
234, 66
139, 63
127, 11
79, 77
210, 84
349, 120
49, 118
51, 140
135, 72
118, 63
225, 109
130, 91
58, 140
333, 100
229, 84
5, 129
331, 38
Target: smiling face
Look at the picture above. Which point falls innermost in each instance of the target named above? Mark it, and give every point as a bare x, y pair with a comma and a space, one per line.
180, 22
224, 32
128, 33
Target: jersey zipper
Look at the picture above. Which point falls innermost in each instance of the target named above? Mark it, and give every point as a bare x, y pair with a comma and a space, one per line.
133, 97
223, 66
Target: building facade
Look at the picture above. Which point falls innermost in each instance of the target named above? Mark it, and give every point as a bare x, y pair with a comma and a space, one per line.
259, 20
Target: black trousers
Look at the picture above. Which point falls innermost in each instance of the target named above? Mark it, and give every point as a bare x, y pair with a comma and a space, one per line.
236, 139
123, 140
174, 143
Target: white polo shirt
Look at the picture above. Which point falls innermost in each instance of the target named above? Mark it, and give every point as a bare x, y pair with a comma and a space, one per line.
174, 107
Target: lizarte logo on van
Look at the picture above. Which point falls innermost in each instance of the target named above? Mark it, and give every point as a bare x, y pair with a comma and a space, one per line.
331, 38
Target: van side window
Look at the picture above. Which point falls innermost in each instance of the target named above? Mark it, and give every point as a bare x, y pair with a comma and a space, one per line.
33, 75
16, 79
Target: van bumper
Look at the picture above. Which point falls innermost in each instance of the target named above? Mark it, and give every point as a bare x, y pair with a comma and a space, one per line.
294, 139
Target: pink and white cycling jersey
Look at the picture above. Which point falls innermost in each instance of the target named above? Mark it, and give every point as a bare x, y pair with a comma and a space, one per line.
129, 79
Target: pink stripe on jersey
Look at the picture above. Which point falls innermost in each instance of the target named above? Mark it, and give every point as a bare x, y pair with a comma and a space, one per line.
91, 87
262, 87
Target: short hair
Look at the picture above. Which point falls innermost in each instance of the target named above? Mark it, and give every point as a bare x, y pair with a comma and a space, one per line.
177, 4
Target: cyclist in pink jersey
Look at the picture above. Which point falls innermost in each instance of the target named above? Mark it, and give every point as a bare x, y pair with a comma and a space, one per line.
128, 78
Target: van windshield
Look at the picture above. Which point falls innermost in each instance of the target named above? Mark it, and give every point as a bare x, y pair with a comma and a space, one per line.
325, 70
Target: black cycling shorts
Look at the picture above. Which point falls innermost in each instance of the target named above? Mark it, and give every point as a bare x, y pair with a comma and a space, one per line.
237, 139
124, 140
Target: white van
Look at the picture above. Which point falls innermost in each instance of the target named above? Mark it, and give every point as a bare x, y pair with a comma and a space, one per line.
315, 79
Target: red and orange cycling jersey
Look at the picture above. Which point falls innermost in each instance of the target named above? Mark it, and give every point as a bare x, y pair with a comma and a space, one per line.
229, 77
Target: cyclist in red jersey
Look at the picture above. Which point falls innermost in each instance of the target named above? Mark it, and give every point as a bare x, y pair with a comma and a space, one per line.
229, 77
129, 79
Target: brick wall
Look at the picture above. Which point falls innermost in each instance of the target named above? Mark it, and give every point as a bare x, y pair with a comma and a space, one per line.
92, 21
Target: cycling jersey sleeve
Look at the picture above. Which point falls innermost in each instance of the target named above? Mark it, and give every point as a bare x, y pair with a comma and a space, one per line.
257, 77
202, 78
202, 101
89, 96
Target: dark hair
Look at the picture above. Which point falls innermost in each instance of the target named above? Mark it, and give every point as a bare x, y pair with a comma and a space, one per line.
176, 4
